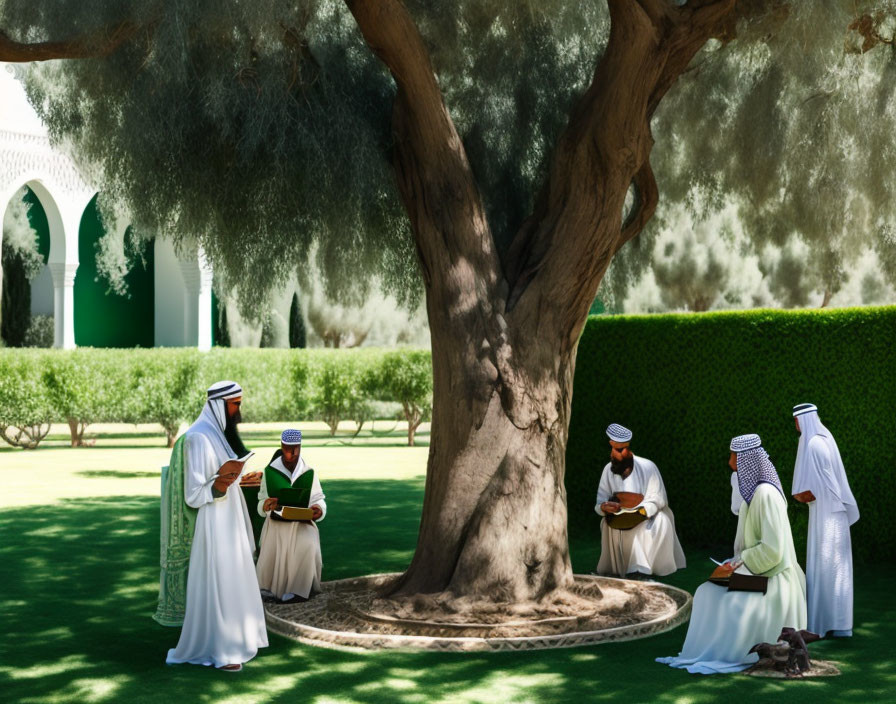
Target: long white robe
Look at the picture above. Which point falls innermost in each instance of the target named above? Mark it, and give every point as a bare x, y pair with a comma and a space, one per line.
652, 546
224, 620
289, 560
725, 625
829, 551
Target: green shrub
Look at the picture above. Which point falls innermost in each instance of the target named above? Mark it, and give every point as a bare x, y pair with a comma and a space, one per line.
162, 386
41, 331
85, 386
405, 376
25, 409
167, 386
342, 386
686, 384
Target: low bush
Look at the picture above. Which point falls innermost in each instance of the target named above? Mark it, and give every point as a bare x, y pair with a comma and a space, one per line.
167, 386
25, 408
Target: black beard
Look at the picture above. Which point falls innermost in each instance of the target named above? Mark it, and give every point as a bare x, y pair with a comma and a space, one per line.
620, 467
232, 435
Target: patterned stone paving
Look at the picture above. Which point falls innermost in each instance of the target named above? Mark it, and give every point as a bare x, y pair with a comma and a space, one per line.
343, 616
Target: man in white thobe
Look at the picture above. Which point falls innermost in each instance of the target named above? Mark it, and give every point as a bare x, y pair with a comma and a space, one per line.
724, 624
652, 546
224, 621
819, 479
289, 561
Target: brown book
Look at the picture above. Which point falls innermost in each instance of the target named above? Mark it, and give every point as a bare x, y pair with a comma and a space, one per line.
747, 583
295, 513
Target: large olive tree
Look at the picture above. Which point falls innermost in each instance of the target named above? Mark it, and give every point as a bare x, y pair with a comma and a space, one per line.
514, 132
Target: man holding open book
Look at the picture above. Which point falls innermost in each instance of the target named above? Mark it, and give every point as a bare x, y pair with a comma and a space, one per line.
638, 531
204, 519
289, 562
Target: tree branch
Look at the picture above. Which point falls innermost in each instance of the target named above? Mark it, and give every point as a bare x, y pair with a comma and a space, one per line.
646, 199
606, 146
435, 179
96, 44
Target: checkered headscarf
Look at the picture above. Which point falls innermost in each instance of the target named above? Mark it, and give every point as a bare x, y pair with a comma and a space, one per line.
753, 466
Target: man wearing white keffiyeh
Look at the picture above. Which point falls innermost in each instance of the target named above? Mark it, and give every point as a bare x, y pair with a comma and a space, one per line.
819, 480
725, 625
205, 521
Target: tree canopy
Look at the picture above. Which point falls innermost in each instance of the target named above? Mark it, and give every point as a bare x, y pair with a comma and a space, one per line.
262, 129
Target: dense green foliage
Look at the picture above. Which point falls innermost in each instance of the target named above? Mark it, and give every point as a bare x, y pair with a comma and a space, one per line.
16, 299
287, 107
167, 386
406, 376
686, 384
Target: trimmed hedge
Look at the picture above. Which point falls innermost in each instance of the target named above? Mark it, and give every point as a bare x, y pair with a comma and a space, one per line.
167, 386
686, 384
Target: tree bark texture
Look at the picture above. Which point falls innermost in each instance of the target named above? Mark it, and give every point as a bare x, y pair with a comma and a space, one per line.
505, 330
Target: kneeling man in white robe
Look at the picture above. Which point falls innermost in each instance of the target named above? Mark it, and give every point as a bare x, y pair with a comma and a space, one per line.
726, 624
652, 546
819, 479
224, 619
289, 562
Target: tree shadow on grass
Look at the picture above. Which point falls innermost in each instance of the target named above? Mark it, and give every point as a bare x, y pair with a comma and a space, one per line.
80, 581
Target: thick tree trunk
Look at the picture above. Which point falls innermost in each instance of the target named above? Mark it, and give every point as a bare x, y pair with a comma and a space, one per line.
494, 513
505, 330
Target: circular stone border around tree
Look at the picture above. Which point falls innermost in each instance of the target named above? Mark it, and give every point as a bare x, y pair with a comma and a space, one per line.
343, 617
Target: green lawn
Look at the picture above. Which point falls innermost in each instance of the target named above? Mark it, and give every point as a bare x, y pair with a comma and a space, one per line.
80, 579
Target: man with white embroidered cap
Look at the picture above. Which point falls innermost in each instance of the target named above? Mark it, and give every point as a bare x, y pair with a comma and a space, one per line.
205, 520
819, 480
631, 496
726, 624
289, 561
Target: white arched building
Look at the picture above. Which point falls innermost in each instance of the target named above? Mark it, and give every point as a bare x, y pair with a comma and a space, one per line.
182, 290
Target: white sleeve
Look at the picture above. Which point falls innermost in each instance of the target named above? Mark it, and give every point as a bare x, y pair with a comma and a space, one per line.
262, 496
317, 497
655, 492
824, 485
200, 471
603, 490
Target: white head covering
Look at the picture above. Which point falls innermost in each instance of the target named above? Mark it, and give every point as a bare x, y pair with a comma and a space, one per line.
213, 419
618, 433
217, 394
805, 478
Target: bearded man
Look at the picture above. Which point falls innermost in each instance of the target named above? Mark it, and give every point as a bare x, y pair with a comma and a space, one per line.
651, 546
208, 574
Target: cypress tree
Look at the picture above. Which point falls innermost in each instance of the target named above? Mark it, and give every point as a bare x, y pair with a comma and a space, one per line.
222, 330
296, 324
16, 303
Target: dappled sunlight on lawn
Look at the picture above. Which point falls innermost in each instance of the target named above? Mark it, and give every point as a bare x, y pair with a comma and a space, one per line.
81, 581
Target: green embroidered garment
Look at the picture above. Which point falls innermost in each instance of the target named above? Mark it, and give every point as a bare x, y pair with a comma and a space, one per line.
178, 523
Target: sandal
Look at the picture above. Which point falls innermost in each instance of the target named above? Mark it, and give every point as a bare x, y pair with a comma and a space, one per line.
236, 667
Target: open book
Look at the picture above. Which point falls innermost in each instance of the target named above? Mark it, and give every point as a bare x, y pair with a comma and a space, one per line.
242, 460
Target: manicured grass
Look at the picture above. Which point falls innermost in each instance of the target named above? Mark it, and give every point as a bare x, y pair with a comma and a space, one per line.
80, 579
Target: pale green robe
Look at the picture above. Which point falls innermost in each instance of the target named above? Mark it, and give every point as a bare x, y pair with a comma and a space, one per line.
725, 625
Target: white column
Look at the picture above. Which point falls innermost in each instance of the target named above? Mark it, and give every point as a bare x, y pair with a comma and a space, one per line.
197, 275
64, 303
